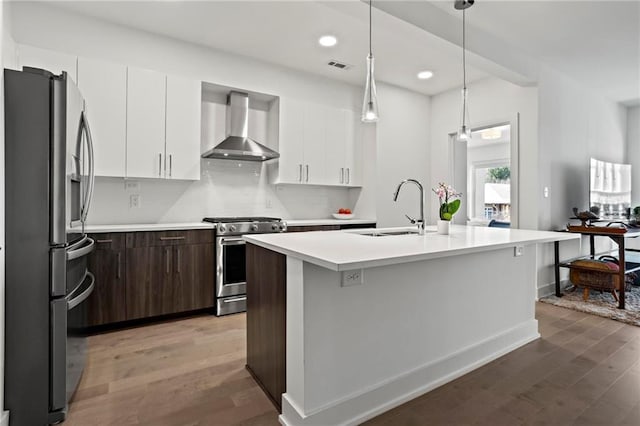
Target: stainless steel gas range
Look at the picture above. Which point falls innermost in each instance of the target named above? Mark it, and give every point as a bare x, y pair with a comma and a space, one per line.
231, 277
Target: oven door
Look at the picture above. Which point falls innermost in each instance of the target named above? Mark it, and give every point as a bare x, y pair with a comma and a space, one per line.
230, 266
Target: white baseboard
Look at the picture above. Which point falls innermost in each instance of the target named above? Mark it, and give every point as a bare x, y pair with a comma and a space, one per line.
356, 409
549, 289
4, 419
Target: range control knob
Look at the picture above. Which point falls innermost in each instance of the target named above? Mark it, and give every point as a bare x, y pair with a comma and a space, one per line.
232, 228
275, 227
254, 227
222, 228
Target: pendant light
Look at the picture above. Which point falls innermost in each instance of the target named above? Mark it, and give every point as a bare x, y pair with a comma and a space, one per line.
464, 133
370, 103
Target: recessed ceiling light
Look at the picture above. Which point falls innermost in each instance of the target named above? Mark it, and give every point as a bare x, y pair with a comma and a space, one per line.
327, 40
424, 75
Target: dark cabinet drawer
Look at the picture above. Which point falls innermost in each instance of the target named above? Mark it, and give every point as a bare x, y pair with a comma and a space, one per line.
169, 238
110, 241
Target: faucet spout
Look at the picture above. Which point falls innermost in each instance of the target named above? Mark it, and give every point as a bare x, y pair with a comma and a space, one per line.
419, 222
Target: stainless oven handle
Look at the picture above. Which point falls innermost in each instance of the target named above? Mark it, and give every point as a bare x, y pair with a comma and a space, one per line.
232, 241
82, 296
235, 299
82, 251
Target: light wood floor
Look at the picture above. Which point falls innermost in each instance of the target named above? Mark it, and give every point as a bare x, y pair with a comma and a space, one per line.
585, 370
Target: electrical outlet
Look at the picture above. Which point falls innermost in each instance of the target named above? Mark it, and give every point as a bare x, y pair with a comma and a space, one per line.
545, 192
132, 185
268, 204
354, 277
518, 251
134, 201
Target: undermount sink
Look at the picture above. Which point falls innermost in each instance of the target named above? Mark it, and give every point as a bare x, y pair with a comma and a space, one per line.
389, 233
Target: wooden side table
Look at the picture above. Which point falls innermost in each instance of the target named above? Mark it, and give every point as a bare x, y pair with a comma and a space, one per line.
618, 235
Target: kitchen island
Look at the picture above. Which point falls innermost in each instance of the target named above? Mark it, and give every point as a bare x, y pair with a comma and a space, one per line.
344, 325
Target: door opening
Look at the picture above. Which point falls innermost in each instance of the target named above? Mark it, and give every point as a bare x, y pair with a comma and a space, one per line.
485, 169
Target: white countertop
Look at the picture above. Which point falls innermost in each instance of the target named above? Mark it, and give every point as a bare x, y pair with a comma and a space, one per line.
347, 250
312, 222
138, 227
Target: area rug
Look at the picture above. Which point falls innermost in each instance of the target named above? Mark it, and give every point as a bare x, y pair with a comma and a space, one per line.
601, 304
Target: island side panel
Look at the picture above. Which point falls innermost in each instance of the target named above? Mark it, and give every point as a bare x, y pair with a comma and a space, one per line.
266, 320
407, 329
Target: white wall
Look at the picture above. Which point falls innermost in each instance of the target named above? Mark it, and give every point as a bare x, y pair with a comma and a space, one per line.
225, 188
491, 101
402, 143
633, 152
575, 124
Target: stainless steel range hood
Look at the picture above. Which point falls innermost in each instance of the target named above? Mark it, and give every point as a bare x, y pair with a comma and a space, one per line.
237, 145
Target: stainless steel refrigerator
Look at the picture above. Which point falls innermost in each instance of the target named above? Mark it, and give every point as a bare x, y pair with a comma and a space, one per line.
49, 186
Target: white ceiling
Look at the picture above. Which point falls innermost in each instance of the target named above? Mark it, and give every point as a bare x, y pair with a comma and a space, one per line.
286, 33
595, 42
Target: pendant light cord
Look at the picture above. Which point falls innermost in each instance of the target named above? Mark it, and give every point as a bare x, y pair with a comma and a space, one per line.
464, 50
370, 49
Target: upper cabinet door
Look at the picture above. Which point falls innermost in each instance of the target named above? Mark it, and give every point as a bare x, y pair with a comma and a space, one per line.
336, 146
146, 93
184, 101
314, 143
291, 141
104, 87
56, 62
353, 149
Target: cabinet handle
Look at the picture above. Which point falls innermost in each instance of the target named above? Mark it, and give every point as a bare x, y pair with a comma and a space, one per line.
166, 253
170, 164
342, 175
178, 261
171, 238
299, 172
348, 175
160, 165
307, 180
104, 241
119, 273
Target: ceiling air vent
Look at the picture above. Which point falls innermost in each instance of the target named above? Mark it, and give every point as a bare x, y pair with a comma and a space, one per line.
339, 65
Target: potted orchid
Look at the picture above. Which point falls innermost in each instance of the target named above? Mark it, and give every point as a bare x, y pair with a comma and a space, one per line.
449, 205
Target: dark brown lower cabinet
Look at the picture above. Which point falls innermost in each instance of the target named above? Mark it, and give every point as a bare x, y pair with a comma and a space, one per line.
167, 280
266, 320
147, 274
107, 263
194, 276
149, 285
308, 228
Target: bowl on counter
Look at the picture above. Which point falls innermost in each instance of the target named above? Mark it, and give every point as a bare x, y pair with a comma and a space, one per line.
343, 216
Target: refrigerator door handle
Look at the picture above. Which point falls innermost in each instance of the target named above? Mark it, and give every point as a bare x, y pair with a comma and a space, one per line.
75, 301
89, 192
83, 250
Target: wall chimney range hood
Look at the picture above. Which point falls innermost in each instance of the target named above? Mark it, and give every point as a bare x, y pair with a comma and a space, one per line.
237, 145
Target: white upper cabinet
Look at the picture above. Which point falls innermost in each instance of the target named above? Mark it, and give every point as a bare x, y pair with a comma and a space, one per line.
317, 145
146, 94
291, 141
104, 87
184, 100
315, 131
56, 62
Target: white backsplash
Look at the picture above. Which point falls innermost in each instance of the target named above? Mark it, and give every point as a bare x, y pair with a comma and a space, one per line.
226, 188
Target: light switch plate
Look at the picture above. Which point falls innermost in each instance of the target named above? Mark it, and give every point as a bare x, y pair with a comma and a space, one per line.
353, 277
